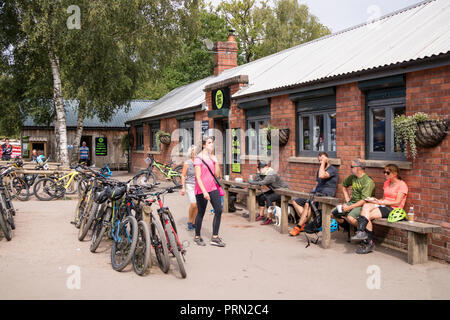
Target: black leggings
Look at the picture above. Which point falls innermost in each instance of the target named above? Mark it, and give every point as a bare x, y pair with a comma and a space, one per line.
201, 205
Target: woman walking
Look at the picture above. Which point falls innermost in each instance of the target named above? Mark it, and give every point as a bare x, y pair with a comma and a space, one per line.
188, 183
206, 169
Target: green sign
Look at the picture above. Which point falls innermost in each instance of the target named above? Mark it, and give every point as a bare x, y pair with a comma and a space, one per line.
101, 146
236, 150
219, 99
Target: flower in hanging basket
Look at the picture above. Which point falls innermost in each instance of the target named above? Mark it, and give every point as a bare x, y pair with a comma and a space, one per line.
418, 130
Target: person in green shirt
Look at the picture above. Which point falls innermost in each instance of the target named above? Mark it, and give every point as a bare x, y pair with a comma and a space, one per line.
363, 187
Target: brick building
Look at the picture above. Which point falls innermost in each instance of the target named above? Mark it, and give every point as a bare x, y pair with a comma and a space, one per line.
337, 94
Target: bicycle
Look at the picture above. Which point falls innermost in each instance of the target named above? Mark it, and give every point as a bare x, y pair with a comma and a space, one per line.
16, 184
30, 179
6, 207
46, 189
147, 177
170, 231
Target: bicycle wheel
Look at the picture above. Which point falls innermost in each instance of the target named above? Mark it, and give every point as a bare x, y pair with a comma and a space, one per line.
144, 178
82, 185
86, 222
20, 189
100, 229
159, 244
4, 224
123, 249
141, 257
177, 178
174, 249
46, 189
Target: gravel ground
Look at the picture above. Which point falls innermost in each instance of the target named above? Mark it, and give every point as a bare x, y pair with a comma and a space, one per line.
44, 257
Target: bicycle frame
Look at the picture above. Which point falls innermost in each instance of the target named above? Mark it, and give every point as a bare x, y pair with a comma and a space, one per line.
72, 177
165, 169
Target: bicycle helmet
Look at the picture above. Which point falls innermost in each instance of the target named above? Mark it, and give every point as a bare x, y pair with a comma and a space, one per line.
102, 196
118, 192
333, 226
396, 215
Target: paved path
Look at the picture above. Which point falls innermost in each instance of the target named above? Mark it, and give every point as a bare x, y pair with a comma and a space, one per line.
257, 263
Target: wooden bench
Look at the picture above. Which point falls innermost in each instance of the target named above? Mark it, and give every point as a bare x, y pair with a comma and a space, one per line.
251, 191
417, 237
328, 203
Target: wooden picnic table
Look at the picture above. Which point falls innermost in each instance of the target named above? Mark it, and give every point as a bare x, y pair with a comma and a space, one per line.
250, 190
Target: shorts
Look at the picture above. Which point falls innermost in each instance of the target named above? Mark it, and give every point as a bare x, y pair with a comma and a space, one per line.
354, 213
385, 211
190, 191
300, 201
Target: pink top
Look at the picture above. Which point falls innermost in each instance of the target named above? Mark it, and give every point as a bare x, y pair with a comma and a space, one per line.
391, 192
208, 180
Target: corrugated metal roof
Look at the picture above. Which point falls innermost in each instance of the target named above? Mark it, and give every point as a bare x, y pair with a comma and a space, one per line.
117, 121
185, 97
414, 33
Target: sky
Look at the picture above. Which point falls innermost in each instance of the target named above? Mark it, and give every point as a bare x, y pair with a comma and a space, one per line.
341, 14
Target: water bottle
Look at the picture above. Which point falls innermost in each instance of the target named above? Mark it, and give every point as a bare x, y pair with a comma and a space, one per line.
411, 214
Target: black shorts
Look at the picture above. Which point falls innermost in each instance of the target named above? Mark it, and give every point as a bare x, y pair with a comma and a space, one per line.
385, 211
300, 201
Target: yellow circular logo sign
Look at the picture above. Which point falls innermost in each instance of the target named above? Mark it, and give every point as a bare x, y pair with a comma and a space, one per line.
219, 99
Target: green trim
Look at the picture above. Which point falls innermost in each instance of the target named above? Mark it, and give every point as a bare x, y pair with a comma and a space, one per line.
316, 104
216, 114
264, 111
254, 104
313, 94
380, 83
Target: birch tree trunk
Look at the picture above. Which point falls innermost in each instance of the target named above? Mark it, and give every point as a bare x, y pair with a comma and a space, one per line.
79, 133
60, 123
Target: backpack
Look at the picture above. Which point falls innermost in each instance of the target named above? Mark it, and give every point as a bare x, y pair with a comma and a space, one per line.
315, 225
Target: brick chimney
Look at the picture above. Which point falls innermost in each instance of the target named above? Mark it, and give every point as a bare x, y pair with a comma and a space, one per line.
225, 54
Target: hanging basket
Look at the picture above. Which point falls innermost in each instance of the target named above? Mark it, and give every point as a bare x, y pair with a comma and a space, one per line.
430, 133
283, 136
165, 139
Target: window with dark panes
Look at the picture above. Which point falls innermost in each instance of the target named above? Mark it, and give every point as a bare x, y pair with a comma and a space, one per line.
154, 128
316, 121
257, 121
186, 137
140, 137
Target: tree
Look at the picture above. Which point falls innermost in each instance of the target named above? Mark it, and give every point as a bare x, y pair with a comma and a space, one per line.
117, 45
262, 30
288, 25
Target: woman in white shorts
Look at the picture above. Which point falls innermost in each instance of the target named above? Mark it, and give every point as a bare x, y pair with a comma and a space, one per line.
188, 182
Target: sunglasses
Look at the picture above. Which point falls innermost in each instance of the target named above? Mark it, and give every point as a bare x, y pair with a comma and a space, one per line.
387, 172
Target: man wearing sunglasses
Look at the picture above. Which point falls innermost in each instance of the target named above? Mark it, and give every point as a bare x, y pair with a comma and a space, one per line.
363, 187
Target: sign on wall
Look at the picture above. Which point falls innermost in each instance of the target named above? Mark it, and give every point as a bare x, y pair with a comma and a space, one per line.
236, 150
101, 146
221, 99
205, 127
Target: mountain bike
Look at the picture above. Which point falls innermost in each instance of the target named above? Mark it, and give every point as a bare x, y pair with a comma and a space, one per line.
147, 177
16, 183
46, 189
7, 211
170, 231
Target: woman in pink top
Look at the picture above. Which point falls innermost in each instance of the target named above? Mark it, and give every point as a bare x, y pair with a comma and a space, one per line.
395, 191
205, 165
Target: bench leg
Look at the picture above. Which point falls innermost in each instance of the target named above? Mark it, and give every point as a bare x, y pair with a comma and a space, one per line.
326, 222
225, 200
284, 214
417, 248
251, 204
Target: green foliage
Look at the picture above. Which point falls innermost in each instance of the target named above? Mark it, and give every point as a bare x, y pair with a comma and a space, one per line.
405, 128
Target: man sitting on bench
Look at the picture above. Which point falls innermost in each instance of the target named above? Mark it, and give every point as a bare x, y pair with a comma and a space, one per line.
327, 179
363, 187
267, 177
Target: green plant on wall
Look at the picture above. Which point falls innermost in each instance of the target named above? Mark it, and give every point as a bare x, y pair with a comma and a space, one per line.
406, 129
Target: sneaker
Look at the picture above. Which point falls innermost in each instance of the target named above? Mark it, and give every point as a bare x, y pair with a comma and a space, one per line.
217, 242
200, 242
190, 226
246, 215
267, 222
366, 248
359, 236
259, 218
296, 231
